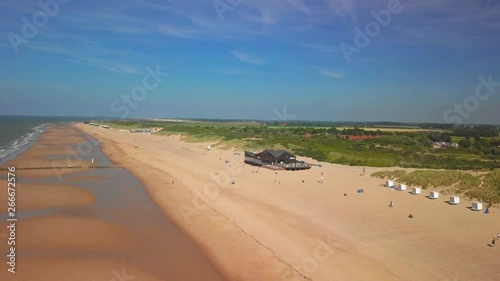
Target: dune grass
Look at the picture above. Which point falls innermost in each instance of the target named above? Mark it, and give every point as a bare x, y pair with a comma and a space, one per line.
483, 187
489, 191
394, 149
399, 149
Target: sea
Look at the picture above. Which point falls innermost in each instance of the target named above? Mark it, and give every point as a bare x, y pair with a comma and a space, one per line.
17, 133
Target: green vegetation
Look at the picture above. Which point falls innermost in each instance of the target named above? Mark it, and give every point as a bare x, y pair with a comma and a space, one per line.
392, 145
432, 178
408, 147
484, 187
489, 191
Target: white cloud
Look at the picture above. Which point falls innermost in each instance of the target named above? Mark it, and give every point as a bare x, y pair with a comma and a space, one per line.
321, 47
176, 31
264, 17
342, 8
299, 5
247, 58
97, 57
87, 41
121, 68
337, 75
237, 72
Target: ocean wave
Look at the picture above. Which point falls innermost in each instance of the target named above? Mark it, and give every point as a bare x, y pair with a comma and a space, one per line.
22, 143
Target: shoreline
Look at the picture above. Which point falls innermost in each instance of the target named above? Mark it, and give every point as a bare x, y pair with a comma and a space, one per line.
91, 218
37, 131
277, 229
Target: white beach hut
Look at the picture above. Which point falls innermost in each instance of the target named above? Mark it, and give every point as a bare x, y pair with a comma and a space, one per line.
389, 183
434, 195
454, 200
416, 190
477, 206
402, 187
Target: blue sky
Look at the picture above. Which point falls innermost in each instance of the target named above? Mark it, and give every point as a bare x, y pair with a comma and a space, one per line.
262, 57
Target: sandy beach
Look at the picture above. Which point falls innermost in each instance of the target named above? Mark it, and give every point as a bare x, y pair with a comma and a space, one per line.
89, 224
289, 226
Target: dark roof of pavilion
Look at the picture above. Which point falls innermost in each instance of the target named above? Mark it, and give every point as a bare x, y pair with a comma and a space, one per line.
275, 153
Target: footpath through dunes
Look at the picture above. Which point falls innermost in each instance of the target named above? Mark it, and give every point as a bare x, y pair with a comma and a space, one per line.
89, 224
288, 226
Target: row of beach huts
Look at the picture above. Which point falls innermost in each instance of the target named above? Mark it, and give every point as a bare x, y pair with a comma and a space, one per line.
96, 125
142, 130
454, 200
138, 131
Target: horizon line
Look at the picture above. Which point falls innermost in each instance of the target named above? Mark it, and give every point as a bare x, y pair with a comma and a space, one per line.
241, 119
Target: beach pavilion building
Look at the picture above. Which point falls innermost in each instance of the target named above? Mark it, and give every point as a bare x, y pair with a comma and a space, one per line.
270, 158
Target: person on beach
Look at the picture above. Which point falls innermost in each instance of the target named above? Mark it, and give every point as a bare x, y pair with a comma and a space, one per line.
391, 204
493, 242
498, 235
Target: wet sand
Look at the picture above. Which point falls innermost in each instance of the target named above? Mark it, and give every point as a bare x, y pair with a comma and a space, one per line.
272, 226
90, 224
